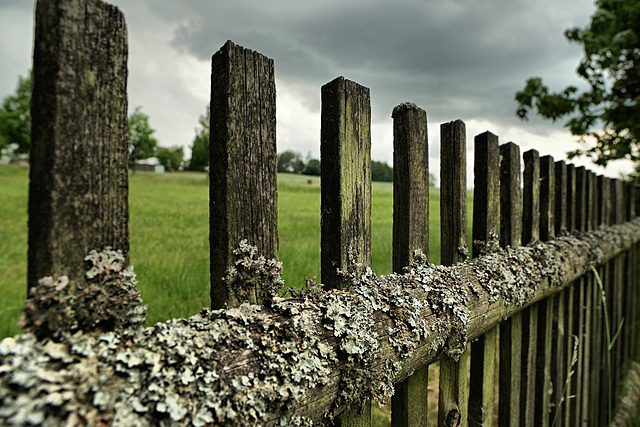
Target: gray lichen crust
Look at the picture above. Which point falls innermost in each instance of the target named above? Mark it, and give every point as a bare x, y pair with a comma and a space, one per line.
107, 300
300, 358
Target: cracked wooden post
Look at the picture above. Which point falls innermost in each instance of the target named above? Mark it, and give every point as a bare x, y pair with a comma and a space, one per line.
604, 218
617, 281
543, 387
558, 347
345, 153
454, 388
486, 216
511, 329
628, 288
410, 233
569, 299
530, 234
579, 316
560, 214
78, 185
547, 198
590, 404
589, 309
243, 181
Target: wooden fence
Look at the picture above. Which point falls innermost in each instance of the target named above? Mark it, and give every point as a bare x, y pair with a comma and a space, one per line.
523, 331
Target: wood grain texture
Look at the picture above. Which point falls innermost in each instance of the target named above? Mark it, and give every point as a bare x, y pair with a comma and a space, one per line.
531, 197
345, 153
78, 189
571, 198
530, 234
453, 400
243, 191
560, 214
486, 216
410, 233
547, 198
410, 184
510, 330
453, 193
544, 384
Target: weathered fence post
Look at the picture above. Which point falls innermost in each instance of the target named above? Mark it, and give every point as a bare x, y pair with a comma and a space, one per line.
511, 329
545, 307
410, 233
589, 310
486, 216
614, 293
78, 185
628, 280
570, 344
530, 234
243, 158
345, 153
559, 325
454, 398
592, 362
560, 215
411, 184
579, 313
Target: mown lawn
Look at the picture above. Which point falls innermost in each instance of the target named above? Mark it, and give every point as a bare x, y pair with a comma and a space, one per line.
169, 225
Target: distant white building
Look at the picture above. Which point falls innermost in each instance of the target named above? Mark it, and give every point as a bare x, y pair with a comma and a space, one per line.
148, 165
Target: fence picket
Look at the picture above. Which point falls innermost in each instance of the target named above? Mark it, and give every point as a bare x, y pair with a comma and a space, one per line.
454, 387
243, 156
545, 308
511, 329
486, 213
588, 298
410, 233
593, 396
345, 153
628, 297
78, 181
580, 299
530, 234
617, 283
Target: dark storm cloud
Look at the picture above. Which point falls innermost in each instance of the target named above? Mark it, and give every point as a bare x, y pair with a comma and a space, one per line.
458, 58
455, 58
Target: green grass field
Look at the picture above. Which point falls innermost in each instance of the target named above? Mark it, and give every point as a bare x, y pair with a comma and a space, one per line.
169, 220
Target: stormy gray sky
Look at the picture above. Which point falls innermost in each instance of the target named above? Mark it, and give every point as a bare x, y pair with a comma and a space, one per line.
457, 59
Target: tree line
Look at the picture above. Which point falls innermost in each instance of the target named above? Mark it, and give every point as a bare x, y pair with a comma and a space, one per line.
605, 117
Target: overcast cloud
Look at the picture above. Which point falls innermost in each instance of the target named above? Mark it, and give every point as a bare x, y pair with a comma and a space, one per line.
457, 59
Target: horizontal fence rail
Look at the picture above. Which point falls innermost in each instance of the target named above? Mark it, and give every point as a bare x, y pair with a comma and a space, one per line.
523, 330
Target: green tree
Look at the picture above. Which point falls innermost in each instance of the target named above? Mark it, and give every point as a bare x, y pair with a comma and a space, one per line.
608, 111
142, 144
200, 148
312, 167
432, 180
15, 119
170, 158
381, 171
291, 162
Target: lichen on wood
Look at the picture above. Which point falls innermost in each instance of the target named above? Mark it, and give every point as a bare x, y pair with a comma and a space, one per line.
296, 360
